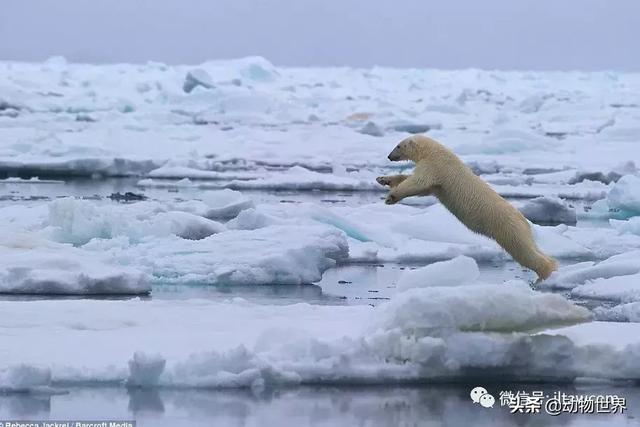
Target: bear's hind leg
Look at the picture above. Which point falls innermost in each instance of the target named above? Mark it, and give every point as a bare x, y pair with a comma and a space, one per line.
526, 253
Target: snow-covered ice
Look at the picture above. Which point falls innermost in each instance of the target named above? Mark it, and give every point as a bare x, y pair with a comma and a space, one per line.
457, 271
32, 265
548, 210
619, 288
422, 334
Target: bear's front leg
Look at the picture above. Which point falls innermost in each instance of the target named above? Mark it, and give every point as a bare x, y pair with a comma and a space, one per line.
391, 180
411, 186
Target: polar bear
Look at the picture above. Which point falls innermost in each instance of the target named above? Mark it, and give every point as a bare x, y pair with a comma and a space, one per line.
441, 173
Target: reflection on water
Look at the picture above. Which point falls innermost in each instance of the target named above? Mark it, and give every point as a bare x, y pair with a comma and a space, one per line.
351, 284
444, 405
99, 189
346, 284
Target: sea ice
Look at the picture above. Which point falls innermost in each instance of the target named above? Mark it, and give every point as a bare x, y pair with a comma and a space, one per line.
32, 265
624, 196
549, 210
78, 221
568, 277
629, 312
455, 272
195, 78
625, 288
424, 334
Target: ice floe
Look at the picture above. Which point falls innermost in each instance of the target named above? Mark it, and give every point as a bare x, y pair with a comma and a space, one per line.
32, 265
423, 334
455, 272
549, 210
622, 265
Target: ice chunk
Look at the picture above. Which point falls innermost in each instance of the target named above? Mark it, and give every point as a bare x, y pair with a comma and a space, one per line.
461, 270
618, 288
625, 196
302, 179
554, 241
226, 204
416, 127
436, 310
602, 242
629, 312
178, 172
78, 221
595, 176
185, 225
436, 223
549, 210
252, 219
34, 266
257, 68
145, 370
354, 229
278, 254
568, 277
195, 78
370, 128
24, 378
632, 225
533, 103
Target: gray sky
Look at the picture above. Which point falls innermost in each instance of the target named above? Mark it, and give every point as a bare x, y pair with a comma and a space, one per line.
503, 34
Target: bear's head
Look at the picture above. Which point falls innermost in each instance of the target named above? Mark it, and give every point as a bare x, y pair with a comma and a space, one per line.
414, 148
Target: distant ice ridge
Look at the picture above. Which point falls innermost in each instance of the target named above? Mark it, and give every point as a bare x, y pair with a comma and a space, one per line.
295, 178
65, 119
462, 330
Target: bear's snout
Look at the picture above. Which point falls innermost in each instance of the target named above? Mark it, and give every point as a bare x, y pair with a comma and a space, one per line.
393, 157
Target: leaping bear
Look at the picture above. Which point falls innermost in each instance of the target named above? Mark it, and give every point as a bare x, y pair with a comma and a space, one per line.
441, 173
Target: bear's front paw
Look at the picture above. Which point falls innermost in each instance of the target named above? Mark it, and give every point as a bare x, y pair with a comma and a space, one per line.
391, 199
383, 180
